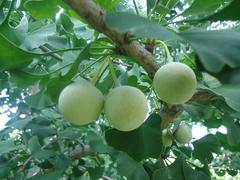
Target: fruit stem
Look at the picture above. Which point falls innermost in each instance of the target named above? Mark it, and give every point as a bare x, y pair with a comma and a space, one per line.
114, 76
169, 57
95, 78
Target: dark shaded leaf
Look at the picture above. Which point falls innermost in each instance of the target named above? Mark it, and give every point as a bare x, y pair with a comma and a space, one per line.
223, 139
38, 101
8, 146
50, 176
37, 151
204, 147
227, 13
179, 170
138, 25
12, 57
130, 168
233, 130
144, 142
212, 49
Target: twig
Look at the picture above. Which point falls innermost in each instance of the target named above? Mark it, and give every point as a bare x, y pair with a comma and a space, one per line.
30, 157
123, 64
135, 6
54, 55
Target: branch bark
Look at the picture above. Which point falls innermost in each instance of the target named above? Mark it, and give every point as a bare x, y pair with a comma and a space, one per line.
95, 16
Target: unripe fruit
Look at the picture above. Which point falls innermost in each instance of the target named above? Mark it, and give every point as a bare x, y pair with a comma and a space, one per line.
183, 134
126, 108
166, 138
80, 103
175, 83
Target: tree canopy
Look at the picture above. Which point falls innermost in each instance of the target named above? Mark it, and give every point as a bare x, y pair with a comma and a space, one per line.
47, 45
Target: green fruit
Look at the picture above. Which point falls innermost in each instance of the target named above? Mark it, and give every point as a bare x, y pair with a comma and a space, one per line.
80, 103
175, 83
183, 134
126, 108
166, 138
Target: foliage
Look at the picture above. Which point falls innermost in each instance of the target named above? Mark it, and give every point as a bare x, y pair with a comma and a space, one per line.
46, 45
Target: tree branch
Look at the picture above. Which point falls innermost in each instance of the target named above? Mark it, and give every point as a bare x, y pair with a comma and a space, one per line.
95, 16
54, 55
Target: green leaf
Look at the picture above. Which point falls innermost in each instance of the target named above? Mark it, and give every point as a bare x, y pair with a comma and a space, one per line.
23, 79
50, 176
8, 146
46, 34
223, 139
227, 13
40, 130
37, 151
97, 143
12, 57
204, 147
95, 173
215, 48
108, 4
38, 101
4, 171
64, 24
20, 123
229, 92
179, 170
203, 8
60, 162
231, 95
150, 5
3, 16
138, 25
144, 142
229, 76
130, 168
233, 130
56, 85
41, 9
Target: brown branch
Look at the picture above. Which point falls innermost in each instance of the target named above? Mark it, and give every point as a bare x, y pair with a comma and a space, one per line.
83, 151
95, 16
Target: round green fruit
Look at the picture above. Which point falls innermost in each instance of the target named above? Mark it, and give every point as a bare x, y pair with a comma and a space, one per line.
175, 83
126, 108
183, 134
166, 138
80, 103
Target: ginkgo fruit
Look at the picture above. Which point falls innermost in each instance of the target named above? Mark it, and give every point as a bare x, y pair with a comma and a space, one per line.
183, 134
80, 103
175, 83
126, 108
166, 138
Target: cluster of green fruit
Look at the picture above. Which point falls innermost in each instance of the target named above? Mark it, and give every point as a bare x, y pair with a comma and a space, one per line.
126, 107
182, 134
